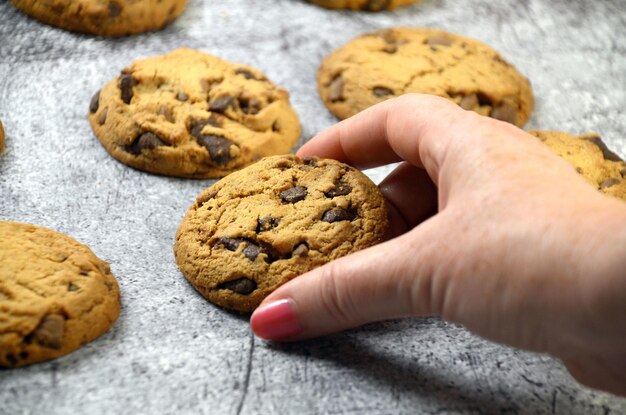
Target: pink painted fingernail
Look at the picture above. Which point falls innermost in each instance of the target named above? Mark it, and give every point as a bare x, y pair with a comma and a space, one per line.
275, 321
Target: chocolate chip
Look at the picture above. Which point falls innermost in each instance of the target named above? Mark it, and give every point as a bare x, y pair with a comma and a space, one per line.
388, 35
335, 89
218, 147
267, 223
102, 118
166, 112
341, 189
438, 40
610, 182
196, 127
310, 161
293, 195
608, 154
181, 96
337, 214
115, 9
49, 333
243, 286
390, 48
623, 173
95, 102
579, 170
205, 85
390, 39
146, 141
221, 104
252, 251
483, 99
231, 243
469, 102
381, 91
246, 73
11, 359
72, 287
276, 126
250, 106
504, 112
126, 84
376, 5
300, 250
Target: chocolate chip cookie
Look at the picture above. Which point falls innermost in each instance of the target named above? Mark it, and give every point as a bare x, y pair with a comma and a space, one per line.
104, 17
190, 114
1, 137
603, 168
367, 5
272, 221
384, 64
55, 295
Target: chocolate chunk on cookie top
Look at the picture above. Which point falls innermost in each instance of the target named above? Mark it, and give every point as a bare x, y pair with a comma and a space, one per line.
104, 17
55, 295
381, 65
365, 5
260, 227
591, 158
190, 114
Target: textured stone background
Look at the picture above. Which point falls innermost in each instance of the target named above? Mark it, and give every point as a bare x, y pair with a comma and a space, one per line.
171, 351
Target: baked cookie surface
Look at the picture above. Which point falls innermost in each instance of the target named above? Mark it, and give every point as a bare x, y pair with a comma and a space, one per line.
103, 17
367, 5
190, 114
384, 64
592, 159
270, 222
55, 295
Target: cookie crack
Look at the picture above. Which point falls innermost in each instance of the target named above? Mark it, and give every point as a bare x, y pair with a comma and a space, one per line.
434, 70
28, 288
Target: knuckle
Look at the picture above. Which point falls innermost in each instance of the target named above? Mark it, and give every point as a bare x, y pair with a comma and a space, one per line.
334, 299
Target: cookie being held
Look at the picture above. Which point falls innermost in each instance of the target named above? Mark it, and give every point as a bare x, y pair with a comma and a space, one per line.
384, 64
104, 17
592, 159
55, 295
190, 114
367, 5
264, 225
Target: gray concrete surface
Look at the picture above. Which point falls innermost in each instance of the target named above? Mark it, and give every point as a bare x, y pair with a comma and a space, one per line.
172, 352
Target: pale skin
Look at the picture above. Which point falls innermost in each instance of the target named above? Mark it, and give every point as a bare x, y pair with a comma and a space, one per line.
490, 230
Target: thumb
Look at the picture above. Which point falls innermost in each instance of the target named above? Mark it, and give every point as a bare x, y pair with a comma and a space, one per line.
390, 280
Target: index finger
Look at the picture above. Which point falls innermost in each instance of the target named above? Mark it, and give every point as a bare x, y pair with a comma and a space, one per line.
413, 127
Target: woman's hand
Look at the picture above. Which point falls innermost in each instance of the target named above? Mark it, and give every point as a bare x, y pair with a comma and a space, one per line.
491, 230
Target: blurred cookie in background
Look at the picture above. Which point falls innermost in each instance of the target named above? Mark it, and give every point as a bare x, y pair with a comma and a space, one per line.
367, 5
55, 295
104, 17
191, 114
592, 159
384, 64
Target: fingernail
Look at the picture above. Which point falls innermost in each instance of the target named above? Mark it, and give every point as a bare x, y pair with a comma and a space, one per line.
275, 321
